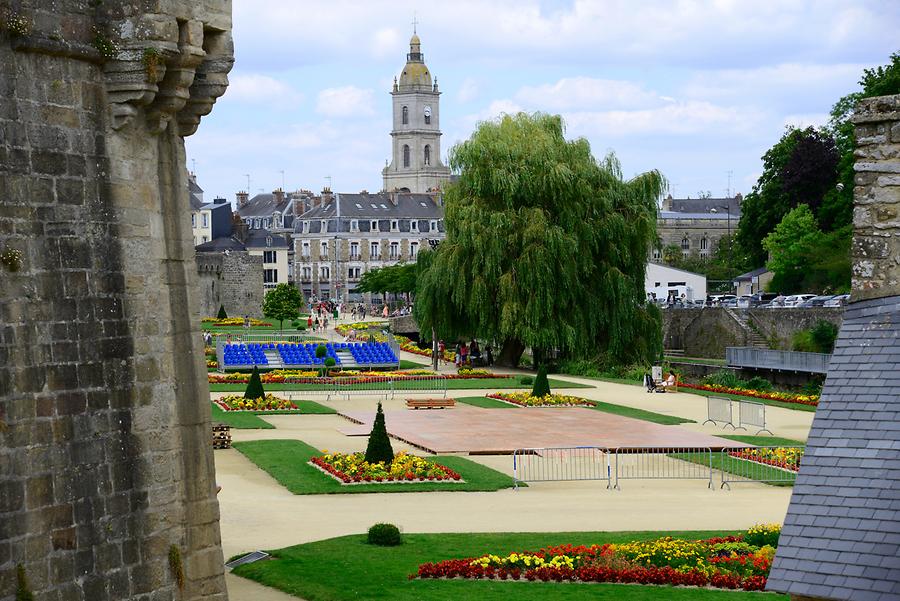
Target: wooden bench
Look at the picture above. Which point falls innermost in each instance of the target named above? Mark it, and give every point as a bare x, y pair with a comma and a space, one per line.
430, 403
671, 388
221, 436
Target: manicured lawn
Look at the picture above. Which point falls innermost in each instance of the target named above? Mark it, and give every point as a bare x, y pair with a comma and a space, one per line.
749, 470
248, 420
486, 403
695, 360
649, 416
473, 384
407, 364
346, 568
286, 461
764, 441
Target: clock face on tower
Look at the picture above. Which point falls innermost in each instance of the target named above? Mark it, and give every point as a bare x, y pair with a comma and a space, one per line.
427, 111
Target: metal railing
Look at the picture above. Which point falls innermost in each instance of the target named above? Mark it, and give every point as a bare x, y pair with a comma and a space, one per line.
383, 386
756, 464
719, 409
663, 463
752, 414
742, 356
562, 464
735, 465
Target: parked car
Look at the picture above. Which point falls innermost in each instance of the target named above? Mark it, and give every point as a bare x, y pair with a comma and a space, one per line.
838, 301
745, 301
718, 299
762, 298
816, 301
796, 299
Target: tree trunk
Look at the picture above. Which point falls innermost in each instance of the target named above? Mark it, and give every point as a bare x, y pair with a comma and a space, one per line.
510, 353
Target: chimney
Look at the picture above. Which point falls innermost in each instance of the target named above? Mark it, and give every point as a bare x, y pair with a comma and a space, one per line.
218, 200
739, 198
278, 193
667, 203
327, 196
393, 198
242, 199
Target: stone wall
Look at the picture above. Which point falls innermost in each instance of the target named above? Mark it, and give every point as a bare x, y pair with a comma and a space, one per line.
707, 332
234, 280
876, 210
106, 468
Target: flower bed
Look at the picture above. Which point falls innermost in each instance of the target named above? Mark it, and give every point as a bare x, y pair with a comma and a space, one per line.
211, 364
784, 397
234, 322
525, 399
354, 469
268, 403
783, 457
295, 376
729, 563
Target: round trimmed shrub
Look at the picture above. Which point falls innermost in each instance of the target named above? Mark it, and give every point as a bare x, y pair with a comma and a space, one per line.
384, 535
526, 380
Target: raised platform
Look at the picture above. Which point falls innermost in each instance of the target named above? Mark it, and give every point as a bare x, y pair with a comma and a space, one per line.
474, 430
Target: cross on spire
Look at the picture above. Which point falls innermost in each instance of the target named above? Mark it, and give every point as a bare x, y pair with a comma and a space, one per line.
414, 22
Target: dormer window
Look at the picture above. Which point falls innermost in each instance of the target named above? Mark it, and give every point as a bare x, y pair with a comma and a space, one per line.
395, 225
257, 224
433, 226
306, 227
414, 225
373, 225
354, 225
324, 226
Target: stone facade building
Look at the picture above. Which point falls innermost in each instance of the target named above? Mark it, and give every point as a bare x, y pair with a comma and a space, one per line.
230, 276
695, 225
841, 535
107, 481
416, 136
209, 220
348, 234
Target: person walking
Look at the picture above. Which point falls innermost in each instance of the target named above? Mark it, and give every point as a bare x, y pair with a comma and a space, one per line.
489, 355
309, 322
464, 354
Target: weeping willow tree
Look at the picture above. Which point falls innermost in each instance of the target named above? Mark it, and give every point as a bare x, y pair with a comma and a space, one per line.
546, 247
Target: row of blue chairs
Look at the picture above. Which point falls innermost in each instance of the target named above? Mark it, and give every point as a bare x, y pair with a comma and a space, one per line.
243, 354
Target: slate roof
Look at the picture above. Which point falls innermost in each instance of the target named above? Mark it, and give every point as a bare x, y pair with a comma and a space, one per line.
195, 194
220, 244
746, 277
712, 216
841, 536
257, 239
706, 205
263, 205
365, 208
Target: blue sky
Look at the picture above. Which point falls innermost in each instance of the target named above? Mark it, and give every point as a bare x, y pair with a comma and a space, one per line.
693, 88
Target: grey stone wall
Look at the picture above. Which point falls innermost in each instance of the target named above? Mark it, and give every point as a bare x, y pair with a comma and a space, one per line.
707, 332
876, 211
105, 457
234, 280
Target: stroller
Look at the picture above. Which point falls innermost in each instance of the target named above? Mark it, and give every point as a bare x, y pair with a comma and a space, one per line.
652, 385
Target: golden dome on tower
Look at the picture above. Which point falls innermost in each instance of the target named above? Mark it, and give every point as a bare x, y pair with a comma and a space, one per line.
415, 74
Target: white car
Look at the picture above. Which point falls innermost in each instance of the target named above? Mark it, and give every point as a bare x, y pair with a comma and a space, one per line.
838, 301
796, 299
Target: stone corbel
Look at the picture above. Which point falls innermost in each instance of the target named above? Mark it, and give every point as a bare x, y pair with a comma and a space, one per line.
210, 81
175, 86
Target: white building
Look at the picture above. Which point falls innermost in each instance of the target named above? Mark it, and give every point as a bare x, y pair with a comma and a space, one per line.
662, 282
416, 136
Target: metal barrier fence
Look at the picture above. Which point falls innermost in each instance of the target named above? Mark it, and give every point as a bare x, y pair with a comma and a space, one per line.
719, 409
742, 356
752, 414
561, 464
735, 465
756, 464
385, 386
663, 463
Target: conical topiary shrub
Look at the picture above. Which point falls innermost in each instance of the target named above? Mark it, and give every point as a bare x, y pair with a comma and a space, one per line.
541, 385
379, 448
254, 386
222, 314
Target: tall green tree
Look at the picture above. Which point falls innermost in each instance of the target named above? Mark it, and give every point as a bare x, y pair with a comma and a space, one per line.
800, 169
545, 246
399, 279
282, 302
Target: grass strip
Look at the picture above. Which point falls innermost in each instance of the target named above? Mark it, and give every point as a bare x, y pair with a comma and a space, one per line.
749, 470
248, 420
647, 416
764, 441
345, 568
485, 403
287, 462
407, 364
408, 385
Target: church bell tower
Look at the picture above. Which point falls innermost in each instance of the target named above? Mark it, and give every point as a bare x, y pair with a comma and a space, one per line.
416, 136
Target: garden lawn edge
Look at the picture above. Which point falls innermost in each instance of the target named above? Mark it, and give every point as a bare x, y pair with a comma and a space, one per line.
287, 461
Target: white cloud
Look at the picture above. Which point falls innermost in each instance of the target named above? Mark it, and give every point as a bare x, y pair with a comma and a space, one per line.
386, 43
255, 88
682, 118
807, 120
347, 101
468, 90
587, 93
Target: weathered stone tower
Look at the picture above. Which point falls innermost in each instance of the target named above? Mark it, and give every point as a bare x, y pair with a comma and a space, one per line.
106, 470
841, 536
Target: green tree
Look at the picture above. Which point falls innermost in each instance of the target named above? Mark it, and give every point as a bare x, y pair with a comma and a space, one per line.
254, 386
379, 447
399, 279
800, 169
541, 385
545, 246
803, 258
282, 302
222, 314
